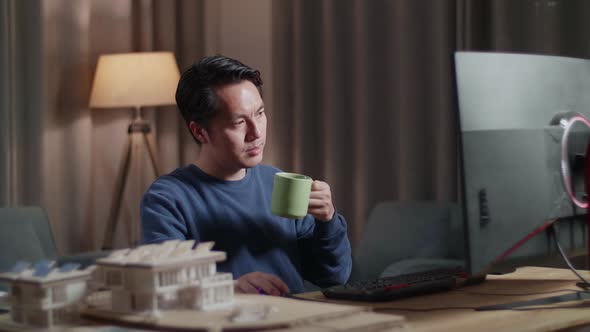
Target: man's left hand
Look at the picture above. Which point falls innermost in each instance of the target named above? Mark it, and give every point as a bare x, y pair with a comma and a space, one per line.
320, 201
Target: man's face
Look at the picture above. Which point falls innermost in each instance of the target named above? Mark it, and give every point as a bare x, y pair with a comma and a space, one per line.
238, 132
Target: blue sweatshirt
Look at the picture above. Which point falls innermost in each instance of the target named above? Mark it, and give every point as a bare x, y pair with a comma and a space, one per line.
190, 204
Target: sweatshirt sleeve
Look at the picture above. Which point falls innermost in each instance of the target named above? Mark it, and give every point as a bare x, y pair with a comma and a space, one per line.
161, 219
325, 250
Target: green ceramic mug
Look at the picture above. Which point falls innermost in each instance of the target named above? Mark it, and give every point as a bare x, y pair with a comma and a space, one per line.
290, 195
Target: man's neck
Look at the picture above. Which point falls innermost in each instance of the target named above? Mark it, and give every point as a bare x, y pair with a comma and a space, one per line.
218, 171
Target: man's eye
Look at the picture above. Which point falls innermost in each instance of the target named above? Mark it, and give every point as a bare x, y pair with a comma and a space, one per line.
237, 123
260, 112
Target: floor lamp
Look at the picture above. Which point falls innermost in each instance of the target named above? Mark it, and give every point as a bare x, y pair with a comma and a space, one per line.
133, 80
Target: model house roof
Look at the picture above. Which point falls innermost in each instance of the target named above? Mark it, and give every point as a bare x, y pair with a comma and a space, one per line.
44, 272
165, 254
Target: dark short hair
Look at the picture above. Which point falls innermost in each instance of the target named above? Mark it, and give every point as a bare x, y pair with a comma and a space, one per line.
195, 95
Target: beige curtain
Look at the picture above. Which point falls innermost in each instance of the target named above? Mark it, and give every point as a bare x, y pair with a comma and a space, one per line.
82, 148
550, 27
20, 102
367, 99
363, 94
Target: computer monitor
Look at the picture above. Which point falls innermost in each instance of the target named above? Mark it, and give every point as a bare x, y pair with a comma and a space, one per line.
509, 110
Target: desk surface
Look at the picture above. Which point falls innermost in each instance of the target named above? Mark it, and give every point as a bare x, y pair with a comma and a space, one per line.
454, 310
249, 313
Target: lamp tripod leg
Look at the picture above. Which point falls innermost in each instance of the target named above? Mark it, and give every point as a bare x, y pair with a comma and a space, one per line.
109, 235
152, 151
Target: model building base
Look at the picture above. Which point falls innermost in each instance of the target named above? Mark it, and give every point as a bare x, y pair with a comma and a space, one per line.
253, 312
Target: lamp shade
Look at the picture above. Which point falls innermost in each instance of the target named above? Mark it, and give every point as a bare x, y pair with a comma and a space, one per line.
134, 80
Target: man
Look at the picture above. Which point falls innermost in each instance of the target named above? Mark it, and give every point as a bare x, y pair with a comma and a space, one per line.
225, 195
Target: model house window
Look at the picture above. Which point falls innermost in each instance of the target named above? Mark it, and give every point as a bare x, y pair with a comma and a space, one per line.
16, 291
40, 293
59, 316
59, 294
200, 271
17, 314
206, 296
37, 317
113, 278
167, 278
128, 281
162, 279
221, 293
218, 295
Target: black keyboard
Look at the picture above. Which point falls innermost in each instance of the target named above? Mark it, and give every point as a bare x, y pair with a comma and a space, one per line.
391, 288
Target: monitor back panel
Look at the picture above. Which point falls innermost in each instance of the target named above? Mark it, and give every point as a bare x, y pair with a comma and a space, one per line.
511, 155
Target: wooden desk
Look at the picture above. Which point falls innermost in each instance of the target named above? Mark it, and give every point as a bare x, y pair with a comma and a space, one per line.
275, 314
454, 310
513, 287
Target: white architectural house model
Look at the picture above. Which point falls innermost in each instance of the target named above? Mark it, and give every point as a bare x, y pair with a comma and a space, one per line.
46, 296
167, 285
170, 275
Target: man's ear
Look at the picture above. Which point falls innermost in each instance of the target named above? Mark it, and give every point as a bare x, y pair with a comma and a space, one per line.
199, 132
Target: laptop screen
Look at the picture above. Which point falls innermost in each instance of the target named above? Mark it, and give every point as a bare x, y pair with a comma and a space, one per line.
510, 150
